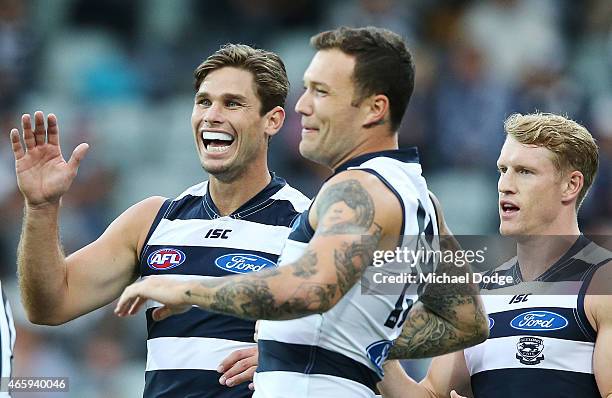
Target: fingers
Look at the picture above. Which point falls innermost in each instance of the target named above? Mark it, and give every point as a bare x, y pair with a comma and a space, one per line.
40, 133
238, 367
252, 386
18, 149
77, 155
52, 130
454, 394
236, 356
127, 300
245, 375
28, 134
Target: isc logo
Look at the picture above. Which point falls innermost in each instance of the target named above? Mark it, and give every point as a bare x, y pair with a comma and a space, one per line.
164, 259
217, 233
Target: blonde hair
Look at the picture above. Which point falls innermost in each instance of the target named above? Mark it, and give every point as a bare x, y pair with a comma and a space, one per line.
572, 145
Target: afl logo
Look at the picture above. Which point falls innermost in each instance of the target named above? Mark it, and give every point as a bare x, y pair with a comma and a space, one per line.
491, 323
243, 263
166, 258
542, 321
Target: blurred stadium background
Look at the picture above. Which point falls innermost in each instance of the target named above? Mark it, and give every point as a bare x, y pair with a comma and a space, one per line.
119, 76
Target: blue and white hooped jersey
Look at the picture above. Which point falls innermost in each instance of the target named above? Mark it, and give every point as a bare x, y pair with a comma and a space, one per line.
7, 339
541, 342
190, 240
340, 353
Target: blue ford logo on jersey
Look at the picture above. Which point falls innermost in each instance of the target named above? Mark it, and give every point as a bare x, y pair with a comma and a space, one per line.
491, 323
165, 258
243, 263
539, 321
378, 353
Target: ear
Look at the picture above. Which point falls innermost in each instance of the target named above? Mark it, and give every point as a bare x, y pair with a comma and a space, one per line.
377, 109
274, 120
573, 184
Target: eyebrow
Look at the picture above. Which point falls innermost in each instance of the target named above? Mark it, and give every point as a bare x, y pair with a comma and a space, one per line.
225, 96
316, 83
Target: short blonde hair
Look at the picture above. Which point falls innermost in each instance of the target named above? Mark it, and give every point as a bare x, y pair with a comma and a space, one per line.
574, 148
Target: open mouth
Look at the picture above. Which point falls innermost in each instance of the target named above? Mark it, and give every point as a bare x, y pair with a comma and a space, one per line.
508, 208
216, 141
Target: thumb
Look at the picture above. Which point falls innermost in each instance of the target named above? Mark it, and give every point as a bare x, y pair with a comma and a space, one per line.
454, 394
77, 155
161, 313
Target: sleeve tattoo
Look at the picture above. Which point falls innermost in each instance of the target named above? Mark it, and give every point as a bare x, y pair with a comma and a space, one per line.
446, 318
344, 208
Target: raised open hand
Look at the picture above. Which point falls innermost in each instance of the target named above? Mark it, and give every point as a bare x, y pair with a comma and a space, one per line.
43, 175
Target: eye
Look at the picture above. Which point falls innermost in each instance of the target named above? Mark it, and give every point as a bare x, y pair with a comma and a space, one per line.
203, 101
501, 170
525, 171
321, 92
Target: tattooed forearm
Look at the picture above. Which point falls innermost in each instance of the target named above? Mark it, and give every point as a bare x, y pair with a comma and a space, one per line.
447, 317
426, 334
253, 298
347, 208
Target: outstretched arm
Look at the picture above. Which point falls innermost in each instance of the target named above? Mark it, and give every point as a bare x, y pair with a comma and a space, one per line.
350, 216
56, 288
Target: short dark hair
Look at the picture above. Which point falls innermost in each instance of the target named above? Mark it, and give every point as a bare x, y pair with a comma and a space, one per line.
269, 74
383, 64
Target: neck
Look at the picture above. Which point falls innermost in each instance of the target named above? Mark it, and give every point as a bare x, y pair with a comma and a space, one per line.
537, 253
376, 141
230, 195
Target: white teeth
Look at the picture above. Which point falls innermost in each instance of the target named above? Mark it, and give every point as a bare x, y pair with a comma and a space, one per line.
211, 148
214, 135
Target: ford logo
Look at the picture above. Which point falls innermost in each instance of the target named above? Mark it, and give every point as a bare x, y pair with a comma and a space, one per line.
243, 263
539, 321
378, 353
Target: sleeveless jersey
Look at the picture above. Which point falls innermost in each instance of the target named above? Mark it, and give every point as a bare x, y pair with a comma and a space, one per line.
340, 353
189, 239
7, 339
541, 342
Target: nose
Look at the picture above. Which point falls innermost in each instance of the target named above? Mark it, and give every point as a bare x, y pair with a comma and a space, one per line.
303, 105
213, 114
505, 184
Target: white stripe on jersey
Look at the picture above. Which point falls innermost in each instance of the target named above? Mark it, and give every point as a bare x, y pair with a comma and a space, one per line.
494, 303
298, 200
245, 235
196, 190
7, 336
292, 384
559, 354
190, 352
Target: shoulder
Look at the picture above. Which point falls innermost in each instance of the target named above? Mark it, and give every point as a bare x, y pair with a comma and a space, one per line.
361, 194
598, 299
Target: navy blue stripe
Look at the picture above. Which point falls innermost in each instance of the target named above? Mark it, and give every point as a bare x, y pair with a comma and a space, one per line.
280, 212
158, 217
586, 326
533, 382
189, 383
502, 327
406, 155
200, 260
302, 232
306, 359
200, 323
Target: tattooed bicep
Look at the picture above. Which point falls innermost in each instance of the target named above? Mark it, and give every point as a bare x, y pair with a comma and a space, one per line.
345, 207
